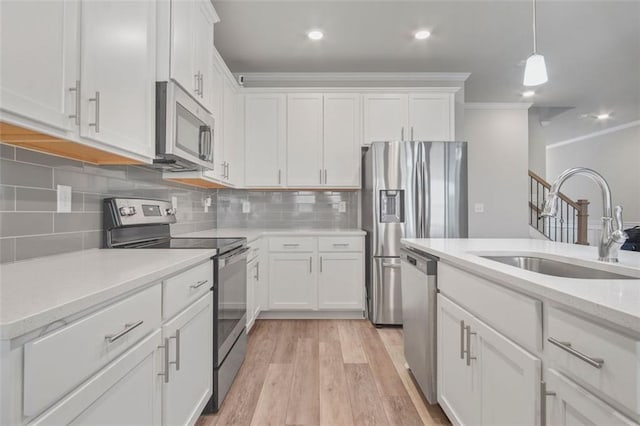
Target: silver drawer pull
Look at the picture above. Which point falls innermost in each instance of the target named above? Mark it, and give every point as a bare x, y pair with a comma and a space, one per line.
177, 361
291, 245
341, 244
199, 284
566, 346
462, 339
469, 334
127, 328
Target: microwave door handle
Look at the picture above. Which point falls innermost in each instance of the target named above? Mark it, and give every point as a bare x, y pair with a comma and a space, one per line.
201, 139
209, 143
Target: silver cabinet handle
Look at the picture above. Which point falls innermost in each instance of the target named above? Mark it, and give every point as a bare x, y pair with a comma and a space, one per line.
566, 346
258, 271
76, 89
290, 245
177, 339
462, 339
310, 264
402, 134
166, 360
96, 124
198, 284
279, 176
412, 133
325, 176
224, 170
543, 402
201, 84
320, 176
129, 327
390, 265
469, 334
320, 263
196, 85
341, 244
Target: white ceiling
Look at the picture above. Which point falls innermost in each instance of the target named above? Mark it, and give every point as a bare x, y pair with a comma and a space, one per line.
592, 48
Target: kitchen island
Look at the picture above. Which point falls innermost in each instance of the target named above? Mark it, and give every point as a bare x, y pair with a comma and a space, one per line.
522, 347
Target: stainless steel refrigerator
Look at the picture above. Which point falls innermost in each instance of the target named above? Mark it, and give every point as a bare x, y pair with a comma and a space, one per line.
411, 189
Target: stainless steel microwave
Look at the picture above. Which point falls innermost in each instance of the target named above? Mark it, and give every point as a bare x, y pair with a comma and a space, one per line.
184, 130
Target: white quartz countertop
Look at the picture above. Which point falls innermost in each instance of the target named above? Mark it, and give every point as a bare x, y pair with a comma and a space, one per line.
34, 293
253, 234
616, 301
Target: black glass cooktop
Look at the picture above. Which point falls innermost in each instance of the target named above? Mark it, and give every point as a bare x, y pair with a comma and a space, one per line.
221, 244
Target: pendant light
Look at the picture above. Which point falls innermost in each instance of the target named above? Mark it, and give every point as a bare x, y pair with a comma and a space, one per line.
535, 70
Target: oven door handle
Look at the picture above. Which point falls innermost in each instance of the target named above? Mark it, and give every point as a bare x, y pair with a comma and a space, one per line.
233, 258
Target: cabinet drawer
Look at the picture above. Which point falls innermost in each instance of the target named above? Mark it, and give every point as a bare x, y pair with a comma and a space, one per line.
519, 317
340, 244
185, 288
291, 244
254, 250
617, 376
58, 362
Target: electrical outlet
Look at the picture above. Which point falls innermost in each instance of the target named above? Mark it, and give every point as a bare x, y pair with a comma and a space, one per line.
207, 202
174, 202
64, 199
478, 208
246, 207
342, 207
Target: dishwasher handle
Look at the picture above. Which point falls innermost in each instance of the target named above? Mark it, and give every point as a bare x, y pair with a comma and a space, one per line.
423, 262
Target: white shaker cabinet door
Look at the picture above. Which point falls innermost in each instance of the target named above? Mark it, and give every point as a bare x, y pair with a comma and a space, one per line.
385, 117
118, 74
126, 392
265, 130
431, 117
210, 94
342, 140
189, 365
458, 386
183, 67
39, 61
292, 281
509, 378
304, 140
341, 281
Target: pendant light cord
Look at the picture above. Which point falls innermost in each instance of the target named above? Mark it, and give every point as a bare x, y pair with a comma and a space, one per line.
535, 45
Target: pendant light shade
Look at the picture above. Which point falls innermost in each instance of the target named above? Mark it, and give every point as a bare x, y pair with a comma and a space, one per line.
535, 72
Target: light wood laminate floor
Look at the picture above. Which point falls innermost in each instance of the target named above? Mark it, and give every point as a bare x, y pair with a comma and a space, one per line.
324, 372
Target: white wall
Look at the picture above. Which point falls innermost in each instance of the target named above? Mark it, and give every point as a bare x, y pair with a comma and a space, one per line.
498, 164
537, 144
616, 156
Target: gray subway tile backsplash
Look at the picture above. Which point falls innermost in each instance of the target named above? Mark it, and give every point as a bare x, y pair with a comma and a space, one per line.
30, 226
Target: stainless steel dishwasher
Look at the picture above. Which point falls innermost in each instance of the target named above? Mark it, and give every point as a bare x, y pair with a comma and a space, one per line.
419, 288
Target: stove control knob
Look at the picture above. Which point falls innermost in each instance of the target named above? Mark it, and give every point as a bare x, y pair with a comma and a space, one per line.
171, 212
127, 211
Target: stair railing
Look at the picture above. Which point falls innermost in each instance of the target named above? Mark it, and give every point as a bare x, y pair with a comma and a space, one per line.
571, 223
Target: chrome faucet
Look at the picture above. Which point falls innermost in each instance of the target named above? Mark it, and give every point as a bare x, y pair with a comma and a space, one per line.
612, 238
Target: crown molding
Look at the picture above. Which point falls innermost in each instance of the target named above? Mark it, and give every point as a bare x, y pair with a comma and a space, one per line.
352, 76
497, 105
350, 89
595, 134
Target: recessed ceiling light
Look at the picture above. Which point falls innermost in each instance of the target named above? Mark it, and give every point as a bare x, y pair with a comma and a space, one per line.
422, 35
528, 93
603, 116
315, 35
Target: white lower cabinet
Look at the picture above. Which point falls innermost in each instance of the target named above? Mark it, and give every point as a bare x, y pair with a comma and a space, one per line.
340, 281
128, 391
483, 377
568, 404
188, 363
292, 281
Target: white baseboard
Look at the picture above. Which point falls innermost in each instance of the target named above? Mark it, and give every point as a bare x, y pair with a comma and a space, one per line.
311, 315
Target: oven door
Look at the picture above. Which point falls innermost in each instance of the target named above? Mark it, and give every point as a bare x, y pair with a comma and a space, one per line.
231, 300
184, 128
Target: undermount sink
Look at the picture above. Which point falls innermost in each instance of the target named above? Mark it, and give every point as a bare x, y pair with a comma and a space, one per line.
557, 268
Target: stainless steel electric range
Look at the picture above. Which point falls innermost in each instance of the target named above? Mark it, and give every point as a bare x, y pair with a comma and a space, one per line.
134, 223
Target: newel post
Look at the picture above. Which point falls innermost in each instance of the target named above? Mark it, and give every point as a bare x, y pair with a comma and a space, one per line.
583, 222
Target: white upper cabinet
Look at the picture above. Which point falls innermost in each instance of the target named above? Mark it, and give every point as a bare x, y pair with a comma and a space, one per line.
232, 130
191, 59
342, 139
385, 117
217, 104
304, 140
427, 116
118, 74
265, 139
39, 61
431, 117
